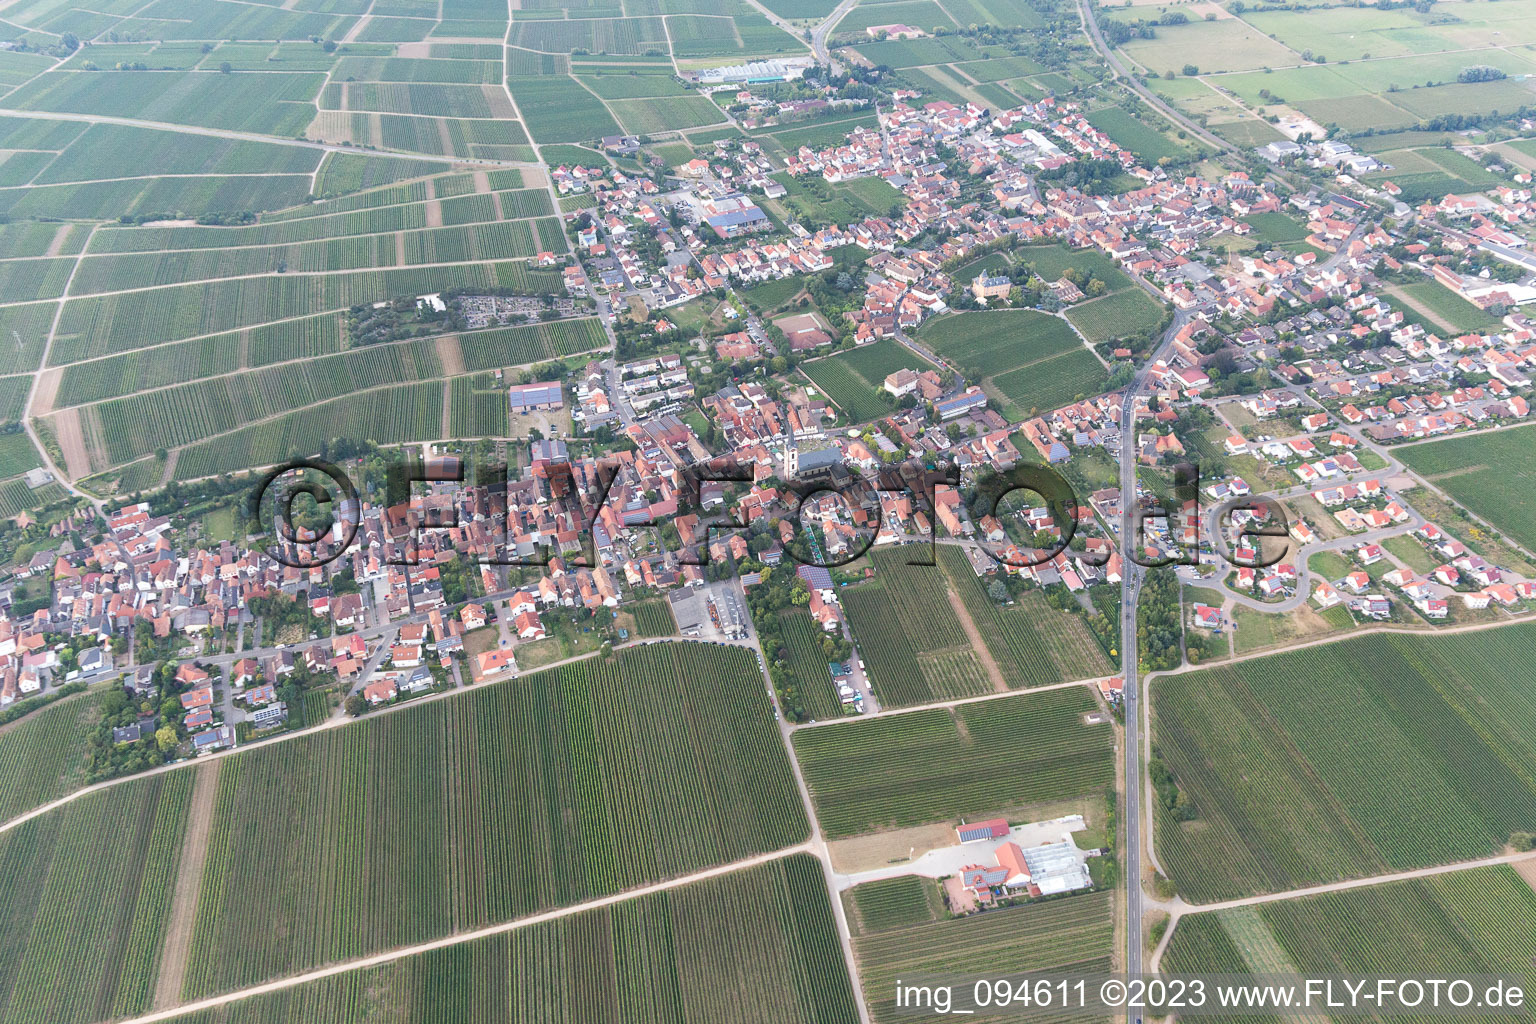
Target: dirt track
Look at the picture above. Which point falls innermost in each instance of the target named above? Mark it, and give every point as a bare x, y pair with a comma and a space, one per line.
189, 882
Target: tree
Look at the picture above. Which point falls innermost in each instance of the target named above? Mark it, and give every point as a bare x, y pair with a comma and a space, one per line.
1191, 70
997, 591
355, 705
165, 738
226, 67
329, 46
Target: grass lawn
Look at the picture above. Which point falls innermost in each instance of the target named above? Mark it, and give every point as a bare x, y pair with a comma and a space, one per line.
220, 525
1330, 565
1275, 228
1257, 630
1411, 553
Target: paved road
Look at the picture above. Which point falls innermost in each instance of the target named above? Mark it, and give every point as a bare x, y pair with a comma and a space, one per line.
1130, 590
1099, 43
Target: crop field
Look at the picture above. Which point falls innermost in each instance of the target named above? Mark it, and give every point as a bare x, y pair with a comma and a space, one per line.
1063, 937
118, 151
173, 197
914, 647
628, 777
41, 755
13, 397
653, 618
969, 762
342, 173
1121, 314
819, 132
704, 35
17, 453
1136, 135
991, 342
893, 903
811, 670
103, 325
29, 323
408, 412
853, 379
605, 35
1276, 228
1225, 45
478, 407
1465, 922
1450, 307
764, 937
1032, 643
1318, 725
515, 346
139, 424
270, 104
665, 113
1488, 473
1050, 262
923, 14
557, 109
1031, 360
83, 938
631, 84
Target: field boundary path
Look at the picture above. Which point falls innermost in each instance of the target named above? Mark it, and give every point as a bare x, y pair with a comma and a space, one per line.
999, 683
189, 884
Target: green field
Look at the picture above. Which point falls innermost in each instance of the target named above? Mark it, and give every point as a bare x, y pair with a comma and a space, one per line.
1464, 923
1450, 307
1032, 643
83, 938
1336, 728
1136, 135
627, 777
1027, 359
763, 937
971, 761
808, 665
1127, 313
915, 649
1063, 937
852, 380
42, 754
1487, 473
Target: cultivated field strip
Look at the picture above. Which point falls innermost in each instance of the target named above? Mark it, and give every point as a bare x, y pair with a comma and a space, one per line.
763, 938
1067, 936
943, 764
1033, 643
1453, 924
82, 938
106, 324
913, 647
42, 755
1338, 729
560, 787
